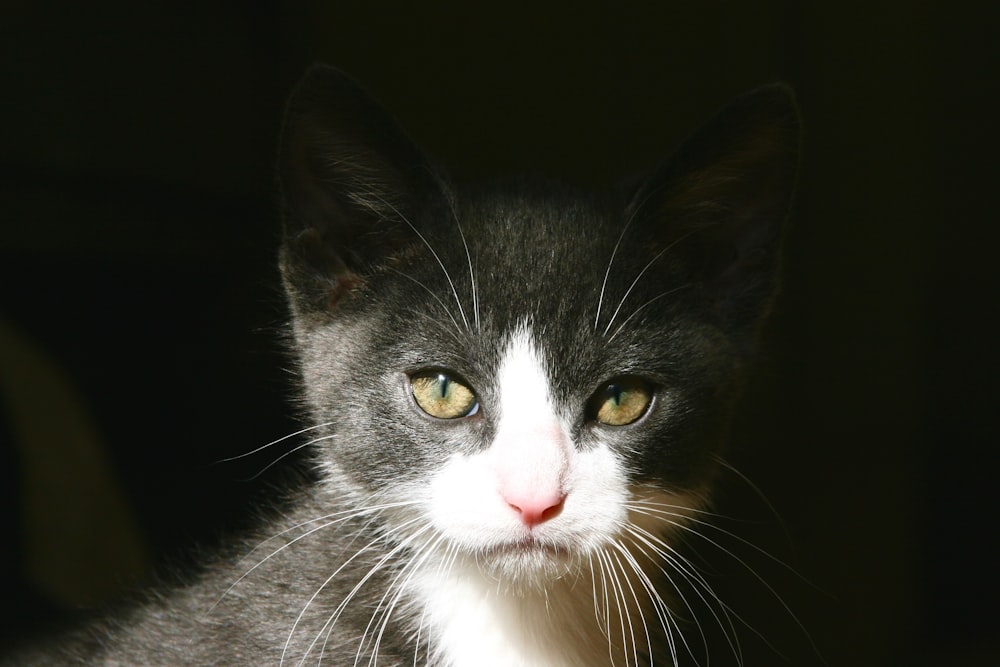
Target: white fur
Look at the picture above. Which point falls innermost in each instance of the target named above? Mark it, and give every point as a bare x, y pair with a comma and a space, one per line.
532, 447
531, 453
482, 617
476, 623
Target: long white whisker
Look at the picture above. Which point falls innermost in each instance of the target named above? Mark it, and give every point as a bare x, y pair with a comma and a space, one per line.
593, 586
341, 517
468, 256
270, 556
648, 303
607, 607
291, 451
756, 575
638, 606
619, 595
298, 619
273, 442
660, 606
683, 566
760, 494
634, 209
682, 510
446, 562
649, 264
698, 583
435, 296
433, 252
380, 615
650, 509
611, 261
331, 621
412, 566
690, 572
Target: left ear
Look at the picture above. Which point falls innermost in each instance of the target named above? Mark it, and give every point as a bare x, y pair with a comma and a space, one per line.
349, 178
721, 200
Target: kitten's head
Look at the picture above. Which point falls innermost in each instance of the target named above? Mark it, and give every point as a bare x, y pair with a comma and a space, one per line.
526, 374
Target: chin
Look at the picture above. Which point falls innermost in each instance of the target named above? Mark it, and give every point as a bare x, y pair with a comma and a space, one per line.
529, 565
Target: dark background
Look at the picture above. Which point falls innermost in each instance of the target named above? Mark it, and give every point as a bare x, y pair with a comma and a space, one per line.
140, 311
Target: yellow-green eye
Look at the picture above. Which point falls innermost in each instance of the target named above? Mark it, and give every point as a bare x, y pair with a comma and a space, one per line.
441, 396
621, 401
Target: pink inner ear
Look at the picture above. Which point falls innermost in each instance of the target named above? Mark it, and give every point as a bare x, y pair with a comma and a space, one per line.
346, 282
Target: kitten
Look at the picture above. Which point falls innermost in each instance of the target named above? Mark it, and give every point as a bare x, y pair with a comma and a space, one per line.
517, 394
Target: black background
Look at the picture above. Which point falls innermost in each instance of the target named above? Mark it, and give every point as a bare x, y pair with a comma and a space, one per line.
138, 230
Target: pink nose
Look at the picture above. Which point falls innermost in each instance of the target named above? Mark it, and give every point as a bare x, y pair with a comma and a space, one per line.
537, 509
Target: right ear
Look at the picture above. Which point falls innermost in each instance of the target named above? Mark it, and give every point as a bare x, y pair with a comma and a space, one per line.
720, 203
351, 181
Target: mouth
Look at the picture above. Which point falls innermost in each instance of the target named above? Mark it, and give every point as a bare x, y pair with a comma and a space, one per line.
527, 553
529, 543
527, 564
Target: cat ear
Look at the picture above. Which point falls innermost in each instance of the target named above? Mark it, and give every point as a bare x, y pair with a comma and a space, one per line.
350, 180
719, 203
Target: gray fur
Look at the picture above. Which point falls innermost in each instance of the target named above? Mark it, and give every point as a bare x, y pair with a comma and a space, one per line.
391, 268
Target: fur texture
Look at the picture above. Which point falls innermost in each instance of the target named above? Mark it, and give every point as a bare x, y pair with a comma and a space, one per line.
530, 529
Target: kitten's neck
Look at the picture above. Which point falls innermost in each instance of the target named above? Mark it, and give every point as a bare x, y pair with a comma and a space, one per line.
472, 619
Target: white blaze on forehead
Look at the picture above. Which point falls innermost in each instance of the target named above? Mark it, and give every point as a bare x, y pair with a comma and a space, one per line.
531, 451
524, 384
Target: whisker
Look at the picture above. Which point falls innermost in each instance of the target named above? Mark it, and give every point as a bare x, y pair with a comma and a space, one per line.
412, 566
611, 261
433, 295
434, 253
649, 510
273, 442
691, 573
267, 558
595, 596
680, 520
380, 614
774, 594
342, 516
760, 494
682, 510
662, 609
285, 455
446, 562
684, 568
637, 310
638, 607
305, 608
607, 607
633, 211
671, 623
468, 256
650, 263
331, 621
619, 596
446, 565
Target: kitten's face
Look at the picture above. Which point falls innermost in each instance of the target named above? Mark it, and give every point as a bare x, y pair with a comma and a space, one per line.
525, 377
528, 382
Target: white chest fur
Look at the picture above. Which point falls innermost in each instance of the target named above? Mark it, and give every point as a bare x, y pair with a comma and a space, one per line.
472, 621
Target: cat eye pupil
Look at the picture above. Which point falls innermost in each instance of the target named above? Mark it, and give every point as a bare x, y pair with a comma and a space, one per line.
443, 383
616, 393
